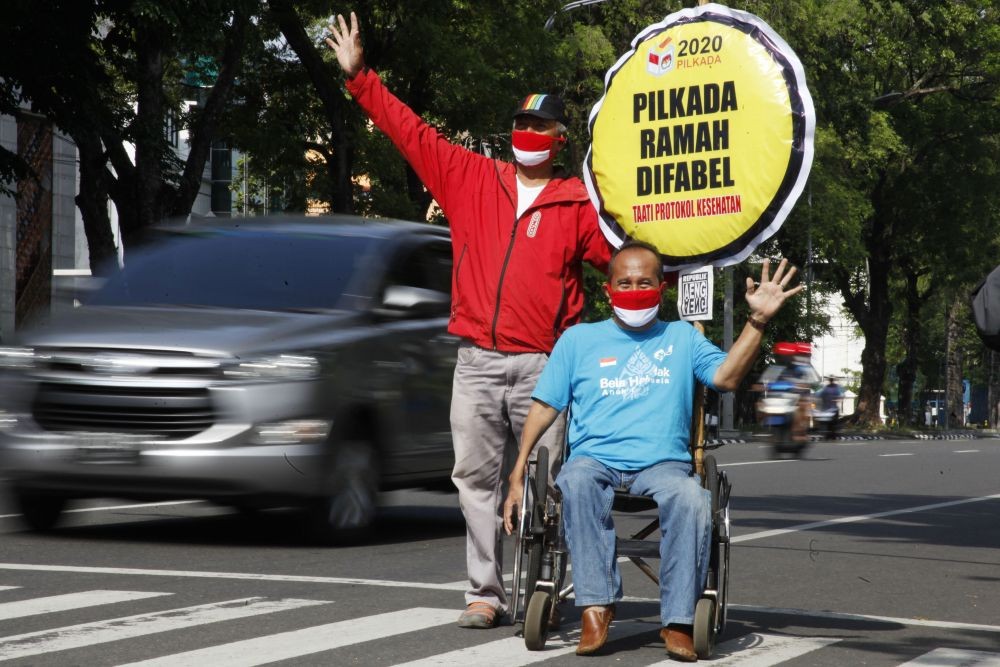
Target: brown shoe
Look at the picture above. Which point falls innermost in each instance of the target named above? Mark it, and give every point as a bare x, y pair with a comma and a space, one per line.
679, 642
596, 621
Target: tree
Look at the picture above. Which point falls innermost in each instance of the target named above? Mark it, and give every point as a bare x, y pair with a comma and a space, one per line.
902, 91
110, 73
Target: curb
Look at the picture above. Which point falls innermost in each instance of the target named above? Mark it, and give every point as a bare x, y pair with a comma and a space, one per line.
813, 437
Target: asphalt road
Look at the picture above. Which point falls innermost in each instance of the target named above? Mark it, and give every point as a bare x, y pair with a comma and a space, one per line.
862, 553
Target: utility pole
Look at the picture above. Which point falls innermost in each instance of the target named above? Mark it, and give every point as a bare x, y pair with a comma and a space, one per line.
727, 343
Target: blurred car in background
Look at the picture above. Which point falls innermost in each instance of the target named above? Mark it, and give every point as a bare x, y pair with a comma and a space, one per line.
253, 363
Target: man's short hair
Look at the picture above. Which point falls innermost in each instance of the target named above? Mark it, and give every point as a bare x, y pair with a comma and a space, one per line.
632, 244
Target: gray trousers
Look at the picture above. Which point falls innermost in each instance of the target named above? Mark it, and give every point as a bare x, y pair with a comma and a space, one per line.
490, 399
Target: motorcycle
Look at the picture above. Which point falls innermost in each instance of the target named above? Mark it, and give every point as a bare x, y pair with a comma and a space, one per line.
778, 406
825, 421
784, 386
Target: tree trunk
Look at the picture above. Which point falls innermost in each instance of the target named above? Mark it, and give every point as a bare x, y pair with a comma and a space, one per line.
873, 317
93, 201
993, 390
326, 82
872, 310
907, 368
953, 364
149, 139
203, 129
415, 190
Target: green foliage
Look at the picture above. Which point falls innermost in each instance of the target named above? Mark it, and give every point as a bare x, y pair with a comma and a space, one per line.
901, 202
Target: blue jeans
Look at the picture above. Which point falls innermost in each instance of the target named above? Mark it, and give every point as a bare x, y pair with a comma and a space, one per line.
685, 523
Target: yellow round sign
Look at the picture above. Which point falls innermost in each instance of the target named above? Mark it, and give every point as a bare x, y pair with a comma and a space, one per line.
702, 142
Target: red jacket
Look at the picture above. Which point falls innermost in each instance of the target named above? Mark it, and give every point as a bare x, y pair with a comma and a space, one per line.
517, 282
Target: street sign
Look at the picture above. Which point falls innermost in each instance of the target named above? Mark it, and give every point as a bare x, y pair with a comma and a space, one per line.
694, 293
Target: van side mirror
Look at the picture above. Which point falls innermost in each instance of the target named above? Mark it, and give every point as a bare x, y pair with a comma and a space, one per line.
402, 301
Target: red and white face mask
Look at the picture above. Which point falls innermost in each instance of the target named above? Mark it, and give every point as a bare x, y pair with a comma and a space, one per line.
636, 308
533, 148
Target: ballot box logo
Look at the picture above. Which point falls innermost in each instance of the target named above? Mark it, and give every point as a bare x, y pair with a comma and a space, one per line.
661, 57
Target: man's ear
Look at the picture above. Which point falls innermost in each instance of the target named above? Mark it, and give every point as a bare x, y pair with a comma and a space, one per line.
607, 291
559, 144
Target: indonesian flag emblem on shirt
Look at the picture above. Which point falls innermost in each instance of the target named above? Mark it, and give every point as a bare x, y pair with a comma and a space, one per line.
608, 361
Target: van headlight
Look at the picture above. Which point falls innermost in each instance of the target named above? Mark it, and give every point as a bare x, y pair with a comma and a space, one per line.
279, 367
17, 358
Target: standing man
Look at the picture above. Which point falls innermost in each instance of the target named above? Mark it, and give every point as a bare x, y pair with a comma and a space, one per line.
629, 382
519, 236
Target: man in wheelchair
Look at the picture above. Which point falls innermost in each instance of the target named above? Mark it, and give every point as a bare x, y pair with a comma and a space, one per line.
629, 383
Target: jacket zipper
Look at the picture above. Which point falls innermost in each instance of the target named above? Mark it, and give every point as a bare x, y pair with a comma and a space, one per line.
458, 272
559, 311
503, 272
506, 259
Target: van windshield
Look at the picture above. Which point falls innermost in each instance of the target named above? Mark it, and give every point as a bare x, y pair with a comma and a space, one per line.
253, 270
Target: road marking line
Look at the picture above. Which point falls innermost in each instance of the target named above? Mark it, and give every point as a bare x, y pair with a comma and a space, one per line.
511, 652
966, 451
126, 627
297, 643
953, 657
115, 507
54, 603
761, 650
861, 517
888, 455
454, 586
756, 463
843, 616
8, 588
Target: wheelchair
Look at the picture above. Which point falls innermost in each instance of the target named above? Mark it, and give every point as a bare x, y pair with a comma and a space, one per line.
541, 554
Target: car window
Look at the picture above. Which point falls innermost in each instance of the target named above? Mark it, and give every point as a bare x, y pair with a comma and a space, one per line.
427, 266
262, 271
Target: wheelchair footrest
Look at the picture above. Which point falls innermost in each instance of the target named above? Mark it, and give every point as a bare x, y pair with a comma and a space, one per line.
640, 548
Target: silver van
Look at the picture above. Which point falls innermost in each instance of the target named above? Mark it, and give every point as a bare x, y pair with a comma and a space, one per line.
254, 362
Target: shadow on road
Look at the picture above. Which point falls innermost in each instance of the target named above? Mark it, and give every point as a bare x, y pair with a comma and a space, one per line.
283, 528
968, 525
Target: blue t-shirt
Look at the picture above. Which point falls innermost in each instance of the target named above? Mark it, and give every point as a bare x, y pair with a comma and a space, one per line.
629, 392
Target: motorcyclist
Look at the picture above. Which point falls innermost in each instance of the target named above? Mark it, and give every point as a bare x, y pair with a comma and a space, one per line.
830, 396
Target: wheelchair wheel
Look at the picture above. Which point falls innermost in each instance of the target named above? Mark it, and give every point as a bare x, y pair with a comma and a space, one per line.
536, 620
522, 542
711, 482
534, 545
704, 627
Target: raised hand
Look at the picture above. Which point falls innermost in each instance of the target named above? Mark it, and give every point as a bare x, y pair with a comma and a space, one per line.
767, 297
346, 43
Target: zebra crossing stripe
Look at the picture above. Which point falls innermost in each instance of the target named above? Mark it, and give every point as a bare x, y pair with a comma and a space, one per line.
297, 643
53, 603
511, 652
126, 627
953, 657
8, 588
761, 650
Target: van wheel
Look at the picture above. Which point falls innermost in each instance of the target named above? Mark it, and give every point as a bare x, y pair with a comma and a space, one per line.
39, 511
346, 513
